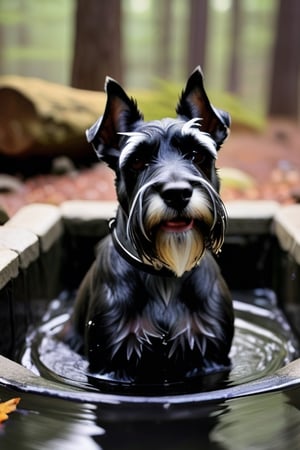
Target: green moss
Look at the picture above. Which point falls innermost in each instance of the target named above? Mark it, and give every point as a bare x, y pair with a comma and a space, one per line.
161, 102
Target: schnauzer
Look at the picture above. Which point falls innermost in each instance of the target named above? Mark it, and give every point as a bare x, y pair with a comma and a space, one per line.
154, 306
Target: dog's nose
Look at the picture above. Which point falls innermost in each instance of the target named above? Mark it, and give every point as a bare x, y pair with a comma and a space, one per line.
177, 194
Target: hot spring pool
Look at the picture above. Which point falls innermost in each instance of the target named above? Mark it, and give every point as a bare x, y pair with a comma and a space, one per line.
63, 406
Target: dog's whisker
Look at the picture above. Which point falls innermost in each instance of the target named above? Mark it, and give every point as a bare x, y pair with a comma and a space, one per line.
141, 221
217, 241
138, 197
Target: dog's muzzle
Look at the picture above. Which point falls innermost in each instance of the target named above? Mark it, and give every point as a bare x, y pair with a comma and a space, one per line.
171, 224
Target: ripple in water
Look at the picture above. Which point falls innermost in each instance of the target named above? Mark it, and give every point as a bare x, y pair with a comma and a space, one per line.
263, 343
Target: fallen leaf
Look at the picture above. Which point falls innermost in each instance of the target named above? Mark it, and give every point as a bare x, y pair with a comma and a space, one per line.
8, 407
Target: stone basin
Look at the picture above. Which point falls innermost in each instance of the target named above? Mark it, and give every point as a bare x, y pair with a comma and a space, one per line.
45, 249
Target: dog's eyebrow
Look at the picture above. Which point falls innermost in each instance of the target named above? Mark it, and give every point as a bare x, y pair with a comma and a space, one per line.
192, 128
136, 138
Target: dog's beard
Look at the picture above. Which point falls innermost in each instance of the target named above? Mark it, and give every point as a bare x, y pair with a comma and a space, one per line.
179, 251
179, 241
152, 229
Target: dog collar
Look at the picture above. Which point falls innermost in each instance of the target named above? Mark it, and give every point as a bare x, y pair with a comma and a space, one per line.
133, 259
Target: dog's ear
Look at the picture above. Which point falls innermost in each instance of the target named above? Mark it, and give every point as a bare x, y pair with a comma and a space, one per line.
195, 103
120, 115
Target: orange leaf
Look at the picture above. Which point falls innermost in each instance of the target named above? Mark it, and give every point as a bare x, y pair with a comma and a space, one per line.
8, 407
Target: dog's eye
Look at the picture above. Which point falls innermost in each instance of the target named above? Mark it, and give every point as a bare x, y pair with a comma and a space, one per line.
138, 164
198, 157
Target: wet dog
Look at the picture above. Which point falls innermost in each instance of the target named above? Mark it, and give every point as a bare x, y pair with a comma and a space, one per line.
154, 306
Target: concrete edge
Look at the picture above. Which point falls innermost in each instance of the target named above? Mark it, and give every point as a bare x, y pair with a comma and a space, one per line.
9, 266
87, 218
248, 217
42, 220
287, 229
46, 223
13, 375
38, 227
23, 242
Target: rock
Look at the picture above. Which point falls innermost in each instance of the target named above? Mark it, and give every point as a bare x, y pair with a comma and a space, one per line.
9, 183
62, 165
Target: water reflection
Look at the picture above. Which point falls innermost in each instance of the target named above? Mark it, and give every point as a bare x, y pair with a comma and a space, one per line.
269, 421
43, 423
263, 343
260, 422
264, 422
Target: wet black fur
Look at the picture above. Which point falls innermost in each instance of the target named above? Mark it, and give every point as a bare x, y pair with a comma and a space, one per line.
120, 297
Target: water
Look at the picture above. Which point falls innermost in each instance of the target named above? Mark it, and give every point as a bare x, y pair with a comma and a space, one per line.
263, 343
178, 421
264, 422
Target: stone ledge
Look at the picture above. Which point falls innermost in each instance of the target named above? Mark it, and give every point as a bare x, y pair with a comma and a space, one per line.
250, 217
42, 220
9, 266
245, 216
14, 376
287, 229
46, 223
23, 242
88, 218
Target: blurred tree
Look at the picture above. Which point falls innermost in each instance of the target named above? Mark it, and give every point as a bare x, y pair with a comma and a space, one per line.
164, 20
23, 37
235, 34
97, 49
2, 47
284, 92
197, 33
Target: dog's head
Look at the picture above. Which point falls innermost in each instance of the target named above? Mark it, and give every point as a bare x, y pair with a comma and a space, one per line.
166, 180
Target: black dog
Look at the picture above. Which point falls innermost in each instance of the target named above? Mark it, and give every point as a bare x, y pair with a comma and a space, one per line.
154, 306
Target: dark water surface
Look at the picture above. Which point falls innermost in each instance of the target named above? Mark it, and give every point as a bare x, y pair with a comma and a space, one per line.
262, 343
226, 417
262, 422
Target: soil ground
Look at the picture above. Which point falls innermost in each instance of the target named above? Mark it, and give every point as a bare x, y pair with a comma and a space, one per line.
271, 158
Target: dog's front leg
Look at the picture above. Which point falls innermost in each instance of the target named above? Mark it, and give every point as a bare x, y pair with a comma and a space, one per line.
105, 315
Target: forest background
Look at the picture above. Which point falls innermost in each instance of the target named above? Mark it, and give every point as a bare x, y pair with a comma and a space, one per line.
248, 47
248, 50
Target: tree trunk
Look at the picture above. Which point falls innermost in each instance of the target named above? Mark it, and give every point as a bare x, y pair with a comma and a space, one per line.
164, 22
197, 34
97, 50
23, 40
284, 92
234, 66
2, 46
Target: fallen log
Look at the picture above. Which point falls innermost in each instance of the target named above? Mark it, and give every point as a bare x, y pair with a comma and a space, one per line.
45, 119
40, 119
